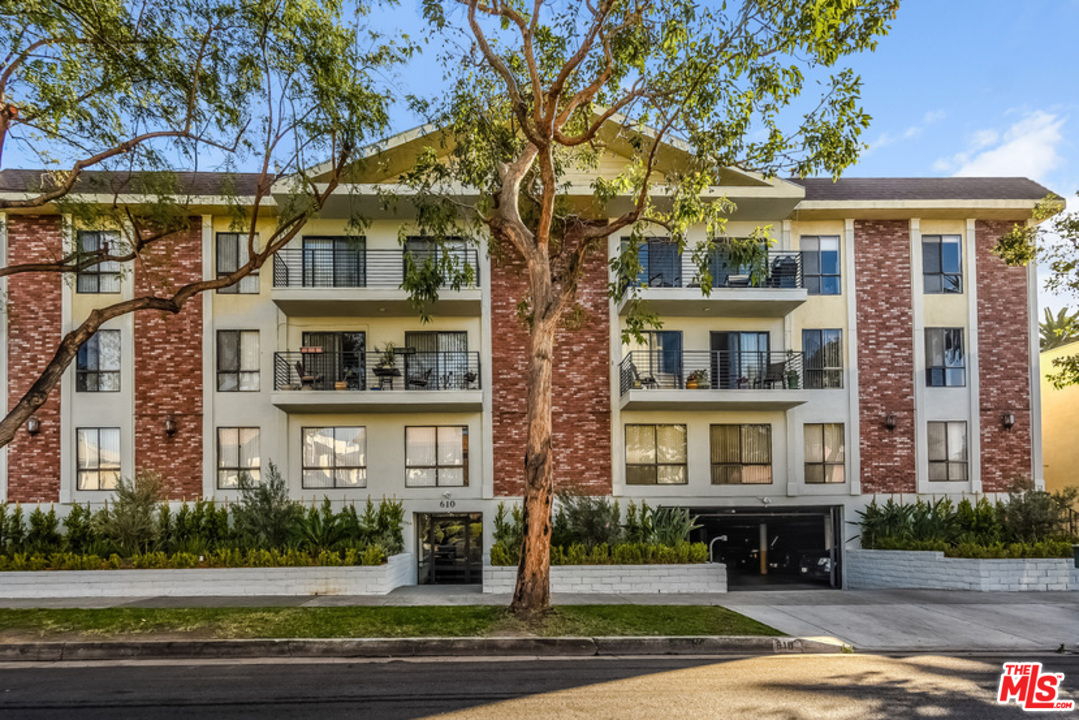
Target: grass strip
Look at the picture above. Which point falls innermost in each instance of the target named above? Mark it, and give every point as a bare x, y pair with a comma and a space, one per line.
383, 622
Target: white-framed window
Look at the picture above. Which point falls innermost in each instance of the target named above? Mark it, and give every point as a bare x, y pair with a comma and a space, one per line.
822, 351
231, 255
102, 277
945, 358
825, 453
656, 455
948, 451
238, 360
97, 364
820, 264
436, 456
334, 457
97, 458
741, 454
237, 452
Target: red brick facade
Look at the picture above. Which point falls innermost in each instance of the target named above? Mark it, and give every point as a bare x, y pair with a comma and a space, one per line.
168, 367
582, 397
1003, 362
885, 355
34, 304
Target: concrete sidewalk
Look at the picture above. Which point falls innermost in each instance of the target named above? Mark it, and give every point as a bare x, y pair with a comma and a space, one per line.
870, 620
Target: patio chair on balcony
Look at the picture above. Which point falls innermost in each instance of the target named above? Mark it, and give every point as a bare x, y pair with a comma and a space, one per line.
645, 381
307, 379
784, 272
421, 381
776, 373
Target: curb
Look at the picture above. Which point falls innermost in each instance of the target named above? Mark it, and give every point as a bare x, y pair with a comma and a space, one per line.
415, 647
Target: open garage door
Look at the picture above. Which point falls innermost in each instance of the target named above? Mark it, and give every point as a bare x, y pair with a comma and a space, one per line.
774, 548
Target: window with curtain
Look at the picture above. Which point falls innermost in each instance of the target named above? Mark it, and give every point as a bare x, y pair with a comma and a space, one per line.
440, 358
823, 357
102, 277
820, 264
825, 453
237, 452
334, 457
942, 264
97, 458
238, 360
948, 451
741, 454
436, 456
656, 455
339, 261
660, 261
97, 365
231, 255
945, 359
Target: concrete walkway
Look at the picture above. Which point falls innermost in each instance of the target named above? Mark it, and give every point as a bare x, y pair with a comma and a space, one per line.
870, 620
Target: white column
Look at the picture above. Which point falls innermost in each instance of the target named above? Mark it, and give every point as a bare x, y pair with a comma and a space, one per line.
67, 386
853, 435
1037, 461
921, 437
974, 434
209, 377
486, 355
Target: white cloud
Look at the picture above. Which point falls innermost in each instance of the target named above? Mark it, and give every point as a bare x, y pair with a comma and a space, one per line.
885, 139
1029, 148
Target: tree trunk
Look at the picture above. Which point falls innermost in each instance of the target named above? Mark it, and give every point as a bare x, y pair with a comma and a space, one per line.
532, 595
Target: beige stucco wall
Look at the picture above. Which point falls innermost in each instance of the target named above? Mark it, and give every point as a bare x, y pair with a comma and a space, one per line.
1060, 424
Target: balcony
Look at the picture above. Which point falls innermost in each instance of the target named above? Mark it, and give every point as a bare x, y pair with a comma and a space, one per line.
672, 287
350, 281
711, 380
311, 381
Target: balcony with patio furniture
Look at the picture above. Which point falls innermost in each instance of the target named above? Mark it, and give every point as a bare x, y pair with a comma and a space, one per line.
711, 380
311, 380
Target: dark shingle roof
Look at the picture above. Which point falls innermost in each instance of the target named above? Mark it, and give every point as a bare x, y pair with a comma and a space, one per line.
953, 188
102, 181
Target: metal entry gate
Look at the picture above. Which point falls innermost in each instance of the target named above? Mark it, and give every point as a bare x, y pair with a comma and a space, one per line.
449, 548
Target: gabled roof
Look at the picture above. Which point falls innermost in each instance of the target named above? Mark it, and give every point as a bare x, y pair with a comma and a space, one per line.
106, 182
952, 188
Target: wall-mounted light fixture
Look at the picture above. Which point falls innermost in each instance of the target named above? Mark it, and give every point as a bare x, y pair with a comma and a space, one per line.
33, 426
890, 421
1007, 420
170, 426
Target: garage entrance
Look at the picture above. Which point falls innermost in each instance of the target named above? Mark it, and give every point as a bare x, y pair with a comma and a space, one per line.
450, 548
778, 548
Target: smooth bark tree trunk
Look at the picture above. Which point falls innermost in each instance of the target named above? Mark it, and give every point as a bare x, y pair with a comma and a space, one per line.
532, 595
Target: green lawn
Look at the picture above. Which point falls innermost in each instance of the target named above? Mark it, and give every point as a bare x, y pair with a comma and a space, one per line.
357, 622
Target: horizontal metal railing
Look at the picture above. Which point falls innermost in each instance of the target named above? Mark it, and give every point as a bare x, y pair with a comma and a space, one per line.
719, 369
783, 269
357, 371
354, 268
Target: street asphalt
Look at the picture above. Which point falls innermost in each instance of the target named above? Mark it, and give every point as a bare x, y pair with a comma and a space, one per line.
829, 687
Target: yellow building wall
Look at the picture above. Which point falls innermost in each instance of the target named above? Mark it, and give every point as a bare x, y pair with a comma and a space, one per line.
1060, 424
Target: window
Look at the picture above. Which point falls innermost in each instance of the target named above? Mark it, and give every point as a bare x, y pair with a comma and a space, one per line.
238, 360
823, 353
948, 451
942, 264
334, 262
231, 255
656, 455
660, 263
741, 454
945, 363
97, 458
437, 359
97, 365
820, 264
237, 452
335, 457
825, 453
102, 277
436, 456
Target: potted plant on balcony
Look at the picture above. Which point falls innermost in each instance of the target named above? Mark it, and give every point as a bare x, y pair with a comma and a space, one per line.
697, 380
791, 373
388, 356
347, 379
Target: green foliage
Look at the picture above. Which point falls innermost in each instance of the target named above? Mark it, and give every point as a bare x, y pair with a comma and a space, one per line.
264, 515
44, 533
129, 523
320, 529
621, 554
672, 526
586, 520
1057, 330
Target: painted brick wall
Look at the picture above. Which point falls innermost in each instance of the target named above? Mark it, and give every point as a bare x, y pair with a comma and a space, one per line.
1003, 362
34, 322
168, 367
582, 404
885, 354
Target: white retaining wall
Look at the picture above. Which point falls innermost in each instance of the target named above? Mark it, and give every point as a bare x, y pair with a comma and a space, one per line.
877, 569
351, 580
618, 579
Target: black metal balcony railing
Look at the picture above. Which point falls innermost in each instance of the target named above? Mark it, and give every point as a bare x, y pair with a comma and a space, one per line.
666, 270
425, 371
353, 268
704, 369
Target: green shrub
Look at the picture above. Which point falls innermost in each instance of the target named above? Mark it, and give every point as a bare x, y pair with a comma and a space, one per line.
264, 516
586, 520
672, 526
43, 535
373, 555
320, 528
502, 555
13, 530
130, 523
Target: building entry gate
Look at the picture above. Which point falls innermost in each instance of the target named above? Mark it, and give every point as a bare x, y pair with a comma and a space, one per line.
449, 548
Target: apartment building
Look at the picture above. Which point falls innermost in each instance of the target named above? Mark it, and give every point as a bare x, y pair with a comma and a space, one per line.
877, 348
